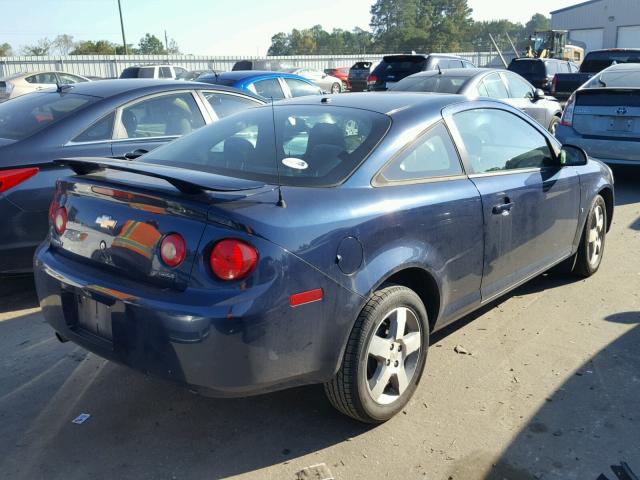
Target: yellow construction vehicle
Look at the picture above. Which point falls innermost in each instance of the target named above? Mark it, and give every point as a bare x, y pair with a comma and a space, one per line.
554, 44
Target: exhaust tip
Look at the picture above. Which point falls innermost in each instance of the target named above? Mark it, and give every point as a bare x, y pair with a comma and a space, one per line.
61, 339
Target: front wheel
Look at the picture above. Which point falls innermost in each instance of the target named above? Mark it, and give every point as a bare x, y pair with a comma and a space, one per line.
554, 125
589, 255
335, 88
384, 358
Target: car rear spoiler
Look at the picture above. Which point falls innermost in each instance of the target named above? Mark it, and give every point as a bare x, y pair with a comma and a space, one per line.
187, 181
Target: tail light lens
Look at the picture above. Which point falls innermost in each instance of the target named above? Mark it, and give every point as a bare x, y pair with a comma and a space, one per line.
173, 250
371, 79
13, 177
567, 115
233, 259
60, 220
554, 83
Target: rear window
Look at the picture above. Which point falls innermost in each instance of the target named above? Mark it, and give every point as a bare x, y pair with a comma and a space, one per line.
525, 67
597, 61
28, 114
131, 72
316, 146
430, 83
615, 79
216, 80
400, 66
361, 66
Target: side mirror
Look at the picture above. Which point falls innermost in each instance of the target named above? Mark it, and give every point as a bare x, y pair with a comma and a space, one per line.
572, 156
538, 94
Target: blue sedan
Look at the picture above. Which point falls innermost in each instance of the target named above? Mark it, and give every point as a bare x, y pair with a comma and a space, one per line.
267, 85
119, 118
315, 240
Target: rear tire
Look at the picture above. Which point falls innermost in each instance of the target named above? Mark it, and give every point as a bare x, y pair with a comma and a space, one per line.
384, 358
591, 249
336, 88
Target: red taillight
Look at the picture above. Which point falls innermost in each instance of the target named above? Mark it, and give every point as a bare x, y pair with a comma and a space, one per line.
173, 250
60, 220
567, 114
554, 82
233, 259
371, 79
13, 177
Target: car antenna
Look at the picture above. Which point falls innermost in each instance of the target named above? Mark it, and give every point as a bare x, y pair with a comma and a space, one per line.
60, 87
281, 202
439, 70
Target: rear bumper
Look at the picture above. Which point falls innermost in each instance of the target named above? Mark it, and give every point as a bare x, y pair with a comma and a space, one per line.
615, 151
217, 344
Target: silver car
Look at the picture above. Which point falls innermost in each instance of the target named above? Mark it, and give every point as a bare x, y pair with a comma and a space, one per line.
326, 82
22, 83
487, 82
603, 116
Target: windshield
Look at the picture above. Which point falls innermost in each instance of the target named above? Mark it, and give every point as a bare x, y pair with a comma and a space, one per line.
316, 145
594, 62
400, 66
430, 83
623, 78
527, 67
23, 116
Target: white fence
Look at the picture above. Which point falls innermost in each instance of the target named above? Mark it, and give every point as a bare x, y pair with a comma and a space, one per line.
110, 66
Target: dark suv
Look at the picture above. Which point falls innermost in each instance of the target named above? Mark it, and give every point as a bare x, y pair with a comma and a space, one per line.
540, 71
394, 68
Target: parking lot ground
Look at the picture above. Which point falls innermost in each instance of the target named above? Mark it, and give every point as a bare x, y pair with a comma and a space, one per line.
550, 390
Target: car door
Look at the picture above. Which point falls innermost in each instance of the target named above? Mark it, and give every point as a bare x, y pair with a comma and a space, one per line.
147, 123
530, 202
521, 95
40, 81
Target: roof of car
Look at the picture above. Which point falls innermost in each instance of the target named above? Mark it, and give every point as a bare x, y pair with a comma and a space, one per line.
624, 66
13, 76
108, 88
245, 74
387, 102
527, 59
457, 72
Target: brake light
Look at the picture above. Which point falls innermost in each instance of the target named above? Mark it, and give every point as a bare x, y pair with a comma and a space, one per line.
233, 259
13, 177
567, 115
173, 250
372, 79
554, 83
60, 220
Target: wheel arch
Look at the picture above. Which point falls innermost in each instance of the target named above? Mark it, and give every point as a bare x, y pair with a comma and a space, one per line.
607, 194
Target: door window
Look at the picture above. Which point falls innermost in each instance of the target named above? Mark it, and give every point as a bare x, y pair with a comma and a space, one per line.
433, 155
300, 89
100, 130
68, 79
224, 104
269, 88
518, 88
167, 115
165, 72
497, 140
48, 77
146, 72
495, 87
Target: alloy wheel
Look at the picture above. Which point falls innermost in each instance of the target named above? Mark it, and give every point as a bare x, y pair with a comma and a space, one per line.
596, 235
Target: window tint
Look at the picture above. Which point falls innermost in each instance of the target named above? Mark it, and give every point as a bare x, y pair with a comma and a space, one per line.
400, 66
166, 115
300, 89
130, 72
313, 145
518, 88
525, 67
430, 83
48, 77
269, 88
433, 155
25, 115
147, 72
165, 72
496, 140
101, 130
224, 104
495, 86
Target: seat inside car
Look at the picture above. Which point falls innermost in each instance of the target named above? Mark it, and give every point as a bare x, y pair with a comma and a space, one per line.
236, 153
325, 145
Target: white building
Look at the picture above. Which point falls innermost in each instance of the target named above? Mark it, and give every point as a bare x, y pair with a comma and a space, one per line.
601, 23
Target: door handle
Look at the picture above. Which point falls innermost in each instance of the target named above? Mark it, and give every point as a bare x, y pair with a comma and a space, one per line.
503, 207
135, 154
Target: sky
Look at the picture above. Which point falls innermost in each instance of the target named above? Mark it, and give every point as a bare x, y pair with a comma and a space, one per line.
211, 27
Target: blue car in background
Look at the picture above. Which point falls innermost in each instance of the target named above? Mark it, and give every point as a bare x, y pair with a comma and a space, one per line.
110, 118
265, 84
315, 242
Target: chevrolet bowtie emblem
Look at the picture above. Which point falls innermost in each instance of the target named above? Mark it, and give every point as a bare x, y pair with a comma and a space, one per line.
106, 222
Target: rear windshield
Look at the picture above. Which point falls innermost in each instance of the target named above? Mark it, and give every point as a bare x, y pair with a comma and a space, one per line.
430, 83
400, 66
361, 66
131, 72
23, 116
597, 61
211, 78
313, 145
524, 67
616, 79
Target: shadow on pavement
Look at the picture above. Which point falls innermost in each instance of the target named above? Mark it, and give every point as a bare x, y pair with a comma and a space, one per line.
627, 184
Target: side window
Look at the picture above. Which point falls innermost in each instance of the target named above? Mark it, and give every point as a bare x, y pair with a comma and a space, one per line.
146, 72
552, 68
269, 88
165, 72
495, 86
574, 68
482, 90
433, 155
67, 79
497, 140
224, 104
167, 115
49, 77
467, 64
300, 89
518, 88
100, 130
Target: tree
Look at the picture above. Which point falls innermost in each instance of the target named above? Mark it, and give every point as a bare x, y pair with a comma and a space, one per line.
538, 23
280, 45
99, 47
5, 50
63, 44
151, 45
41, 48
173, 47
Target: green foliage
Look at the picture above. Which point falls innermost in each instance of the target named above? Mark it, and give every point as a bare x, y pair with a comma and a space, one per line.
62, 44
317, 41
151, 45
5, 50
41, 48
99, 47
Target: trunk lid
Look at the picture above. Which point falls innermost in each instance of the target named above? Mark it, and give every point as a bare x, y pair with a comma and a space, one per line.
608, 112
117, 219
